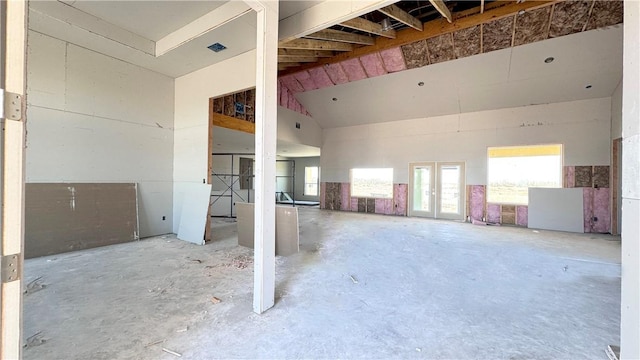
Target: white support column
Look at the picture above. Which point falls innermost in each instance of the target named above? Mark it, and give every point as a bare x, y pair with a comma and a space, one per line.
266, 114
630, 299
14, 21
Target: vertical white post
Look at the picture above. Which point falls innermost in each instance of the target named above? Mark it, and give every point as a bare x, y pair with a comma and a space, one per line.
630, 299
14, 20
265, 141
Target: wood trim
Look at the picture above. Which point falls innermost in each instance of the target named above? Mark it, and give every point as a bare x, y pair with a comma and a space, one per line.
232, 123
311, 44
432, 29
300, 52
341, 36
442, 9
296, 59
361, 24
404, 17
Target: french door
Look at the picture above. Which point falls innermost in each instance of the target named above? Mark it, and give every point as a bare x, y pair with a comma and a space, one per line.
437, 190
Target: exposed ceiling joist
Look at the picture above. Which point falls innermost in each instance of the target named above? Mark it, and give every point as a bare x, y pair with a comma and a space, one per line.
311, 44
361, 24
404, 17
435, 28
442, 9
342, 36
284, 66
296, 59
312, 53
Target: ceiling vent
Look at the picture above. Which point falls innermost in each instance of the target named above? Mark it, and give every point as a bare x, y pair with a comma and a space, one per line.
217, 47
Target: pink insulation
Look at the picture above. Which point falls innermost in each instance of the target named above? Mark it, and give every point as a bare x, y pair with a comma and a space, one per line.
336, 74
353, 69
384, 206
345, 197
320, 77
354, 204
393, 59
323, 193
293, 103
400, 199
290, 82
305, 80
569, 177
522, 215
372, 64
284, 97
493, 213
476, 202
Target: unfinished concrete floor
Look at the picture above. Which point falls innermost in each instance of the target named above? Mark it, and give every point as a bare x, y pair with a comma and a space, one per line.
363, 286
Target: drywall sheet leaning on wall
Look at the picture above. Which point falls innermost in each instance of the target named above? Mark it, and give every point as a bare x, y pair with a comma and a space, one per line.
287, 229
193, 217
62, 217
556, 209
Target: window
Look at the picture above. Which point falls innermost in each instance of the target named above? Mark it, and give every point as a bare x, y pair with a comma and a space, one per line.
372, 183
311, 181
513, 170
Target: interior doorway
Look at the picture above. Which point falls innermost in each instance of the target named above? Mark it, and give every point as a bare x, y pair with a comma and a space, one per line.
437, 190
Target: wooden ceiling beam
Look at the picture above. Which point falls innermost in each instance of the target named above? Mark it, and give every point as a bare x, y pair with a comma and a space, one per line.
472, 18
442, 9
296, 59
370, 27
299, 52
311, 44
284, 66
342, 36
404, 17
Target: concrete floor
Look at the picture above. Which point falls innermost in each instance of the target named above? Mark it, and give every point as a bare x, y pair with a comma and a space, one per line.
363, 286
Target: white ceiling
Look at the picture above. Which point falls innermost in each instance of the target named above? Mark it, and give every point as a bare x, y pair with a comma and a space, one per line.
501, 79
127, 30
150, 19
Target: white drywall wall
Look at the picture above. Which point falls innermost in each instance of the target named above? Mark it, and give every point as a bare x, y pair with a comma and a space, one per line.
582, 126
301, 163
556, 209
192, 94
630, 298
92, 118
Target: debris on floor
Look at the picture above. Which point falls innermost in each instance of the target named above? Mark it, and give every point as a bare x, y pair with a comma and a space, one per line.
171, 352
215, 300
34, 285
355, 281
155, 343
182, 330
35, 340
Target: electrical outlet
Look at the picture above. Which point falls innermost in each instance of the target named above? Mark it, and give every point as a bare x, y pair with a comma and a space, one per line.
595, 218
164, 218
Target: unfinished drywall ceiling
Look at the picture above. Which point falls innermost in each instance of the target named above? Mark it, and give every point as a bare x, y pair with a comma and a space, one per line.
232, 141
505, 78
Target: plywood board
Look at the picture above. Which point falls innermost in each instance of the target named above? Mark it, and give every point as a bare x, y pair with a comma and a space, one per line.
467, 42
62, 217
606, 13
497, 34
244, 216
569, 17
583, 176
416, 54
440, 48
532, 26
193, 218
556, 209
601, 176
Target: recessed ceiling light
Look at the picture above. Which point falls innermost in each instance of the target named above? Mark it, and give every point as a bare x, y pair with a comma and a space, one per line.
588, 87
335, 99
217, 47
421, 83
549, 60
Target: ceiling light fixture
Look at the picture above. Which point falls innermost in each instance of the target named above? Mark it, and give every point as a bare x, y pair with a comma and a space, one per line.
217, 47
386, 24
549, 60
421, 83
335, 99
588, 87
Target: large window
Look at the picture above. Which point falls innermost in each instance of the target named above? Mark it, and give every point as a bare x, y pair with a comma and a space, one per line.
372, 183
513, 170
311, 181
